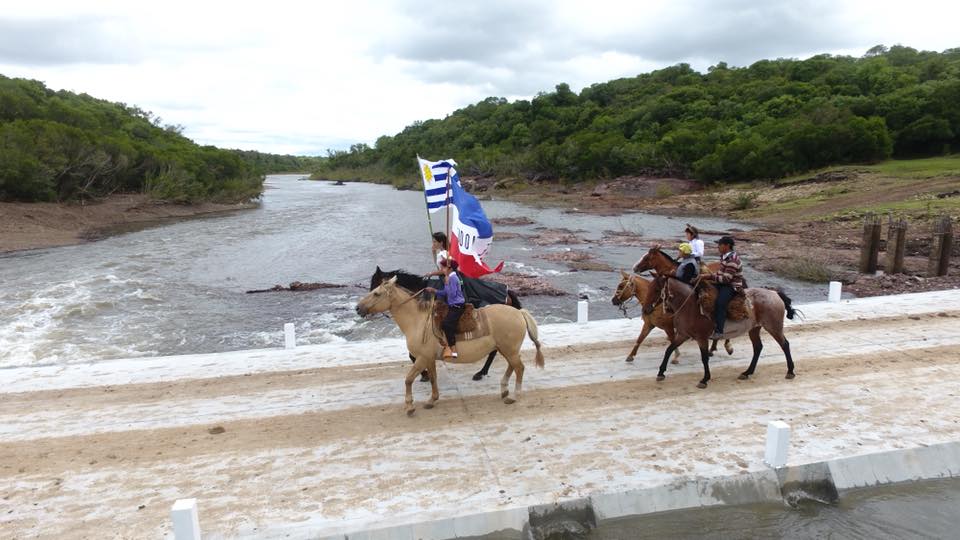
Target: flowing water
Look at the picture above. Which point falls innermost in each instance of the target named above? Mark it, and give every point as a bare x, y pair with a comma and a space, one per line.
180, 287
911, 510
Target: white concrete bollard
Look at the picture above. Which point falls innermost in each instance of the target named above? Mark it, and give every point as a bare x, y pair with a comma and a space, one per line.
186, 525
289, 336
582, 307
835, 288
778, 439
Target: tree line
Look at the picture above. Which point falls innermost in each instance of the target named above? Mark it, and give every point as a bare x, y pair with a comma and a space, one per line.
62, 146
771, 119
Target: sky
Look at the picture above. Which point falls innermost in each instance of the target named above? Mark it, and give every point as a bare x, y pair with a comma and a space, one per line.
303, 77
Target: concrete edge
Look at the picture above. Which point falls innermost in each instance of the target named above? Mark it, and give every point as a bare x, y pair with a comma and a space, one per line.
825, 481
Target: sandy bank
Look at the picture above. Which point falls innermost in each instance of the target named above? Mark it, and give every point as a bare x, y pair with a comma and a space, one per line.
43, 225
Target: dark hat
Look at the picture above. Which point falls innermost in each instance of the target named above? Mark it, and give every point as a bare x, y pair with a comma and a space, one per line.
451, 264
692, 230
728, 240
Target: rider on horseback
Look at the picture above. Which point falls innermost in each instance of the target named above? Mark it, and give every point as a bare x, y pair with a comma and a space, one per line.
689, 266
696, 244
728, 280
452, 292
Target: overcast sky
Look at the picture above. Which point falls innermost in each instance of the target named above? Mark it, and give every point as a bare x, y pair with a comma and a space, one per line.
301, 77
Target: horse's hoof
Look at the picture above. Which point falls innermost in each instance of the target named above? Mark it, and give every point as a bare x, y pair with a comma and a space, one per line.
743, 377
509, 401
710, 354
504, 393
660, 378
424, 378
428, 405
790, 375
411, 411
674, 361
701, 384
629, 359
478, 376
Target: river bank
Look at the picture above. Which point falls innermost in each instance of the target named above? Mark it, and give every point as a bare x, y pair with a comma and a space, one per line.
806, 228
45, 225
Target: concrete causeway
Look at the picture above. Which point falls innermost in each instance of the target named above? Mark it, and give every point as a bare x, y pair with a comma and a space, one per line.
312, 442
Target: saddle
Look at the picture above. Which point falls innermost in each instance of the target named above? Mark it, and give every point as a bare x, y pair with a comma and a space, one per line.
737, 310
469, 321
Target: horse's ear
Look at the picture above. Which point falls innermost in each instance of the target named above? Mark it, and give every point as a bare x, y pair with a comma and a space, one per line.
378, 271
623, 273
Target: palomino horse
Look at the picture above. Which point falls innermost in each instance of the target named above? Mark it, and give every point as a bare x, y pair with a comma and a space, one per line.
507, 327
414, 283
765, 308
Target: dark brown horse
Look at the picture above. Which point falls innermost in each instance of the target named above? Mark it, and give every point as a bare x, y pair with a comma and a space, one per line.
654, 316
765, 309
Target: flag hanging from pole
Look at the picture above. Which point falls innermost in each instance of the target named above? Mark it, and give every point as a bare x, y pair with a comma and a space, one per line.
470, 231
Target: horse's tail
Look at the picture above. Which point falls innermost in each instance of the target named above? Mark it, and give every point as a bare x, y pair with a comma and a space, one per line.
788, 305
514, 299
532, 332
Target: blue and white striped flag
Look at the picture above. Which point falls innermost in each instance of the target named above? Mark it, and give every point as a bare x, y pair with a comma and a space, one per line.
434, 175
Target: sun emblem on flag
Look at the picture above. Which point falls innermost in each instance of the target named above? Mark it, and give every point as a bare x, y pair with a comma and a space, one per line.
427, 174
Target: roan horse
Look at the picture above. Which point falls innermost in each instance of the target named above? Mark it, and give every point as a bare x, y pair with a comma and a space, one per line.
413, 283
765, 307
507, 326
649, 299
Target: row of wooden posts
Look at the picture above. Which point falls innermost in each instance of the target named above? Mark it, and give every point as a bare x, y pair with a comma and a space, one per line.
940, 248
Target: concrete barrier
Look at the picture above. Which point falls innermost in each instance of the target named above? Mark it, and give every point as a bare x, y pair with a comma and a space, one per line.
824, 481
186, 524
582, 307
289, 336
835, 291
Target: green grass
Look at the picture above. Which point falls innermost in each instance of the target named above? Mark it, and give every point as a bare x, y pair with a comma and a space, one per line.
896, 168
919, 168
804, 269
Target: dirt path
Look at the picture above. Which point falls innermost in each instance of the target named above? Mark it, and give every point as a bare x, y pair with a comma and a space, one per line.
317, 451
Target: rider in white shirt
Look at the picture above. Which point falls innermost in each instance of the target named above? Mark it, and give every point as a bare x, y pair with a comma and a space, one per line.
693, 237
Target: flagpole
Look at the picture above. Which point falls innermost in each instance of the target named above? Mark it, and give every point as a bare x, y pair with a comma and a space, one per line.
426, 204
449, 232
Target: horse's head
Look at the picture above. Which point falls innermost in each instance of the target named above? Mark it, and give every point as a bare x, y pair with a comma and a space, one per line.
656, 259
379, 299
624, 290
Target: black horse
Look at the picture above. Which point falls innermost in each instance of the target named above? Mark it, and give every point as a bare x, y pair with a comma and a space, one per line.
478, 292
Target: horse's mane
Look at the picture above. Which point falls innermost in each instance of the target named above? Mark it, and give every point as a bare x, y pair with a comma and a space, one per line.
667, 255
410, 282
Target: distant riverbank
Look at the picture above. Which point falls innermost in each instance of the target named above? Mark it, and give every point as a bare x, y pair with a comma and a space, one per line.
44, 225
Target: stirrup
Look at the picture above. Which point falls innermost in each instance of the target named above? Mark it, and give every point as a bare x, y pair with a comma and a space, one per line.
448, 353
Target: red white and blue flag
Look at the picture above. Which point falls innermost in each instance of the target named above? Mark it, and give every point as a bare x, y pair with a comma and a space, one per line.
470, 231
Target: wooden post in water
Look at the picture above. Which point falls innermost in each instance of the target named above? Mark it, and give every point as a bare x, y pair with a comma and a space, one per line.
896, 244
870, 248
940, 248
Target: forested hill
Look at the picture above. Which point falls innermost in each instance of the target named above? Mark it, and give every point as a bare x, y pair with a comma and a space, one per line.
60, 146
771, 119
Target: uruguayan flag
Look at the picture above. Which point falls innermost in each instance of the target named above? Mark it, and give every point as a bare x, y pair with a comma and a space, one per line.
470, 231
434, 175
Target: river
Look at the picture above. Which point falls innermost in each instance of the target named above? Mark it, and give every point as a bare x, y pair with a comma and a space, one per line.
180, 287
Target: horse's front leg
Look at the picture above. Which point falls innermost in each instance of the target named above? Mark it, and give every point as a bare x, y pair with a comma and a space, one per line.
647, 327
416, 368
486, 366
666, 356
757, 347
705, 358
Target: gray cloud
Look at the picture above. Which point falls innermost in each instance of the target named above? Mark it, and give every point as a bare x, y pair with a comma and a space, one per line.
738, 32
57, 41
520, 48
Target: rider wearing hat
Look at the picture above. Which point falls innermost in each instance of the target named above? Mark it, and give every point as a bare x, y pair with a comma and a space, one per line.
689, 267
728, 280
